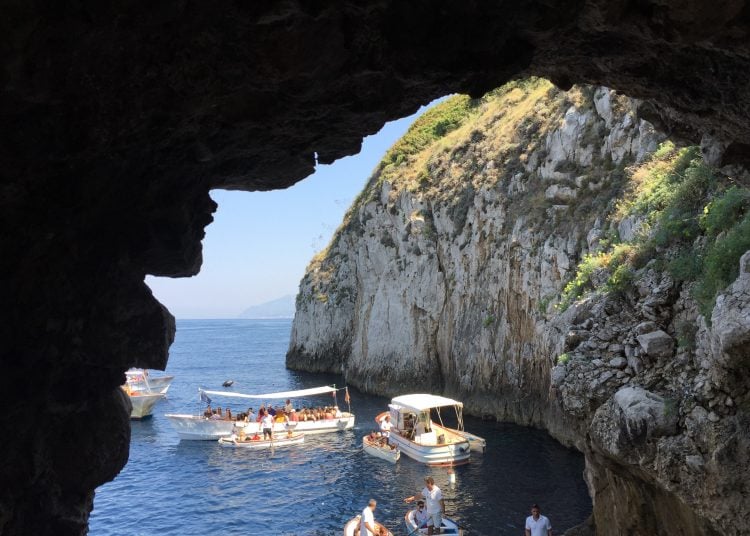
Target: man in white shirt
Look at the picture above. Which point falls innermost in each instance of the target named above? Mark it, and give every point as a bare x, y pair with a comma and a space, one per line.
367, 525
385, 428
435, 505
267, 423
537, 524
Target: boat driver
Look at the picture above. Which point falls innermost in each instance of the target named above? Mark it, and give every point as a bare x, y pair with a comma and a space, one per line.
385, 429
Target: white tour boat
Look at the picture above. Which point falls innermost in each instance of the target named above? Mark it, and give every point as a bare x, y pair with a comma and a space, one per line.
141, 380
199, 427
143, 403
352, 526
419, 437
283, 440
448, 526
380, 450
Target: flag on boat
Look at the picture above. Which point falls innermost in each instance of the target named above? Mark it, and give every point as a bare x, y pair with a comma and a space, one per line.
204, 396
346, 395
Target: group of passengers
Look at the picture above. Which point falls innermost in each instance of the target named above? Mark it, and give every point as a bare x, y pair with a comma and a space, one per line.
268, 415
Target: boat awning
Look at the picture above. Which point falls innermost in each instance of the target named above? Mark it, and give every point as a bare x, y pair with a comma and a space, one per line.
280, 394
421, 402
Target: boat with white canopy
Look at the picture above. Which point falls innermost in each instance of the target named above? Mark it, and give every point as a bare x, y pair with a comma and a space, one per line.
419, 437
200, 427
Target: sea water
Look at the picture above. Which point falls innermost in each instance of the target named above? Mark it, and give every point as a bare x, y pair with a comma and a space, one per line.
198, 487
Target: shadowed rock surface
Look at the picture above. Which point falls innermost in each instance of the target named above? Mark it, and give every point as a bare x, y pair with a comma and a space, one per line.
118, 117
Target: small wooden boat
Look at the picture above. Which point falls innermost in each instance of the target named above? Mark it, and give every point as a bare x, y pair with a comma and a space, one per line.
448, 526
352, 527
374, 447
250, 443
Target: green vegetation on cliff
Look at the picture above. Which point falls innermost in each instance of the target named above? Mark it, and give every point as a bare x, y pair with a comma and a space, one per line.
692, 221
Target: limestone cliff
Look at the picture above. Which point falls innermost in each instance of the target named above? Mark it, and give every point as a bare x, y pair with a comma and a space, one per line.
443, 266
535, 255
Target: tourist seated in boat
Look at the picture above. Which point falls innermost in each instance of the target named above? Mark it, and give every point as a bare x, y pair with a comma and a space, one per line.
271, 410
293, 415
217, 416
208, 413
238, 431
434, 504
328, 413
421, 517
228, 415
250, 415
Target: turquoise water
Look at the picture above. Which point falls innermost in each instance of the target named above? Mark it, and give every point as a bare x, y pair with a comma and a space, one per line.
196, 487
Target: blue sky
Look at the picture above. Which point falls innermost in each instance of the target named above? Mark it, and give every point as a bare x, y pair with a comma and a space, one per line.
259, 244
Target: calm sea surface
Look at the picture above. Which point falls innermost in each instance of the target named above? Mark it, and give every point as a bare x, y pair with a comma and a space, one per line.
197, 487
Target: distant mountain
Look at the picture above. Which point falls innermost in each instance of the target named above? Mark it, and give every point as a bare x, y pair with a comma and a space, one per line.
280, 308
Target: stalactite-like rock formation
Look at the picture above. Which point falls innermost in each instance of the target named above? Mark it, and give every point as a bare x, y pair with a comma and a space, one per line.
118, 117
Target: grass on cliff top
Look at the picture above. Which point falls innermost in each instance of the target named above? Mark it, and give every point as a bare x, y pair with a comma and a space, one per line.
443, 130
695, 223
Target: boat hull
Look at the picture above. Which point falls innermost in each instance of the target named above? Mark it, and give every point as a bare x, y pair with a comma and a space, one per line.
457, 453
448, 526
354, 522
383, 452
258, 444
198, 428
143, 404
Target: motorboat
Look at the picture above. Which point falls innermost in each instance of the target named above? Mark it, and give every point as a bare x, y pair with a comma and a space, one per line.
257, 442
143, 403
419, 437
353, 524
141, 380
203, 428
380, 449
447, 526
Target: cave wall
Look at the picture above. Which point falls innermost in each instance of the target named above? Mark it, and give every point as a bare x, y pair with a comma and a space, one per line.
119, 117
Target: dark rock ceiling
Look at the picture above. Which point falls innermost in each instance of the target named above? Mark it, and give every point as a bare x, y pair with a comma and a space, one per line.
118, 117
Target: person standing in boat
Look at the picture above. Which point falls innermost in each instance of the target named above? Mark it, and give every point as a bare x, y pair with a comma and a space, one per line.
267, 423
537, 524
435, 505
367, 526
288, 408
385, 429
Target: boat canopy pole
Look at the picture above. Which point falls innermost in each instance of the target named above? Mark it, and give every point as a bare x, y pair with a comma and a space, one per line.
440, 417
280, 394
